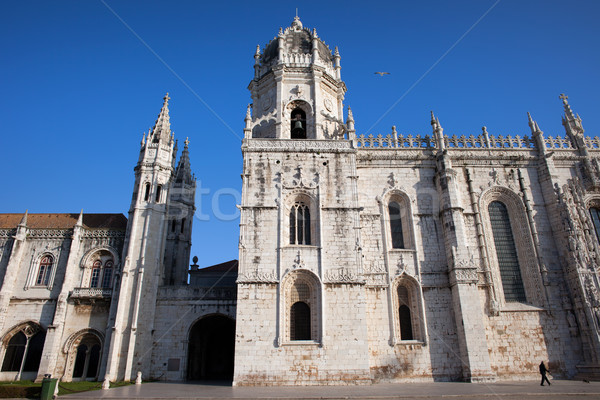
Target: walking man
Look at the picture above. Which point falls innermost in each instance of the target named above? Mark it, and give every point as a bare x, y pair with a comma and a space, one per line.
543, 372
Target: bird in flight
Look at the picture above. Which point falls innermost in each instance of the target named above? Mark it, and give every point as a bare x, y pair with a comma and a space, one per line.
382, 73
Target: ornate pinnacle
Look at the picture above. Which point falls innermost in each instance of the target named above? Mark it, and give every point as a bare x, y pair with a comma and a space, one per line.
248, 111
80, 219
350, 116
336, 52
433, 121
280, 32
314, 32
24, 219
166, 99
257, 50
532, 123
185, 144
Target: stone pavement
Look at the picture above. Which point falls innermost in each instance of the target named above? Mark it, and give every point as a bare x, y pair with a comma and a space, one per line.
560, 389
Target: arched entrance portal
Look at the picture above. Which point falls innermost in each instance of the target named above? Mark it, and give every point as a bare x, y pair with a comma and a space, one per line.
210, 350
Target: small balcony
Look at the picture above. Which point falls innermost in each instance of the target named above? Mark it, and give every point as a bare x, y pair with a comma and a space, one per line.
91, 295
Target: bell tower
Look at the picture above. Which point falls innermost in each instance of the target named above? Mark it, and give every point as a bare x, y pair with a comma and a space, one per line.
143, 252
297, 91
300, 260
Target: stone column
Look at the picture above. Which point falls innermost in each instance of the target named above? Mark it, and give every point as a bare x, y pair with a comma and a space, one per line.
54, 333
14, 263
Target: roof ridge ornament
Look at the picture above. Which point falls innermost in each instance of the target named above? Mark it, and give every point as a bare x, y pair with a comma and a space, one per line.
297, 23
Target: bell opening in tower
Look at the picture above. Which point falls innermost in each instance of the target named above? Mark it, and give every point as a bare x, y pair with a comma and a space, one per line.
298, 124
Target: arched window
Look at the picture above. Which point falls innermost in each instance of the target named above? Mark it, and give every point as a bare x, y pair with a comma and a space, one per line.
406, 331
158, 190
102, 274
300, 316
298, 124
506, 252
146, 192
300, 224
44, 271
107, 274
87, 358
24, 350
396, 225
595, 213
13, 357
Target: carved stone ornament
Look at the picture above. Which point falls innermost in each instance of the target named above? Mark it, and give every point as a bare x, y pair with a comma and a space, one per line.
376, 280
298, 263
401, 267
464, 271
328, 104
300, 181
257, 277
308, 145
298, 91
342, 275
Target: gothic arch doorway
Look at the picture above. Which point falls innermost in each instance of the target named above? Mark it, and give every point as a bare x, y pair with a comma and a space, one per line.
210, 349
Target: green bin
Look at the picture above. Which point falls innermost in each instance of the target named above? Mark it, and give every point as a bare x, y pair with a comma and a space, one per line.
48, 388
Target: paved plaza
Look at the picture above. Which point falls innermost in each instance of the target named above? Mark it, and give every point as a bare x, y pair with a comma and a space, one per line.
453, 390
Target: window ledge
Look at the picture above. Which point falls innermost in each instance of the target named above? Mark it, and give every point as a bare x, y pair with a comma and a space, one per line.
301, 343
402, 251
520, 307
416, 343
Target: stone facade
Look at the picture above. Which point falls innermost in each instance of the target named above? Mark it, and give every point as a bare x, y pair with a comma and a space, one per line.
362, 259
405, 258
104, 297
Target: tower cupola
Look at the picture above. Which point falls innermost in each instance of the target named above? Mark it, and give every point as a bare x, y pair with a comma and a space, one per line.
297, 90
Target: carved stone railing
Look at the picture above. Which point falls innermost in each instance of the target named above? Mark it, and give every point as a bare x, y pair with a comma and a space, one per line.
558, 143
489, 142
91, 293
592, 143
471, 142
395, 141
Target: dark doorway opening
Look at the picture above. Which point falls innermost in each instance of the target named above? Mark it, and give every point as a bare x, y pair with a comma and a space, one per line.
211, 349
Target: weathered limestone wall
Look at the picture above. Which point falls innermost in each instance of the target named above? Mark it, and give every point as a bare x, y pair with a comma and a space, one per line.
340, 358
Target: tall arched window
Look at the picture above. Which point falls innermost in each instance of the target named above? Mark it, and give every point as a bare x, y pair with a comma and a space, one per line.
300, 224
406, 330
595, 213
87, 358
300, 316
146, 192
506, 252
44, 271
24, 350
396, 225
298, 124
158, 191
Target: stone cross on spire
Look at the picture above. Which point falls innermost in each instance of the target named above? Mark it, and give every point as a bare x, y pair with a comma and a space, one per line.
563, 97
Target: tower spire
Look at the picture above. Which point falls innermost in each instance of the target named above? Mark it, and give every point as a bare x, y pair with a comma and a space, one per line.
183, 173
570, 121
162, 126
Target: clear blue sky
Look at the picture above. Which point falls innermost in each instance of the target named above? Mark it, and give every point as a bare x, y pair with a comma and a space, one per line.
79, 88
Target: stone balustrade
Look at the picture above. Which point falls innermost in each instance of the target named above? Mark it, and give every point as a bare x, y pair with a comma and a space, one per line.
471, 142
91, 293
